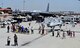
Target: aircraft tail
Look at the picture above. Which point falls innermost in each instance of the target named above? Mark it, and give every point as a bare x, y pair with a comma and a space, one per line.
47, 8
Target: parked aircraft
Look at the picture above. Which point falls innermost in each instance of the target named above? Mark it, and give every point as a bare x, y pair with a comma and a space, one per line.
36, 13
51, 22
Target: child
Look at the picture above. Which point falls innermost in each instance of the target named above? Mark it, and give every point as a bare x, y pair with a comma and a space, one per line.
8, 41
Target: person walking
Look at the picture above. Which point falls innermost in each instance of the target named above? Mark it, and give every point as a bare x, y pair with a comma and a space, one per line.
58, 33
8, 41
22, 29
73, 34
63, 35
39, 29
12, 28
15, 40
42, 29
70, 33
29, 23
8, 28
52, 31
32, 31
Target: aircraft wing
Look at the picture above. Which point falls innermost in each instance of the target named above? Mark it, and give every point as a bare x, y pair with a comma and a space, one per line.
45, 14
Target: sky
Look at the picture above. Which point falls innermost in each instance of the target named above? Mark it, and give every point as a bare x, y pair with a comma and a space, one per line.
30, 5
